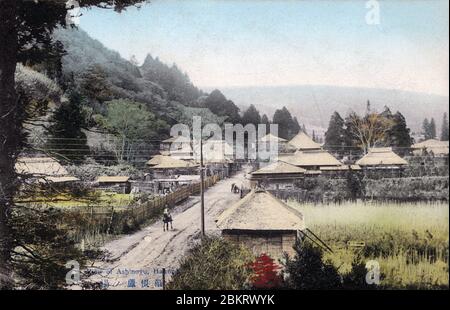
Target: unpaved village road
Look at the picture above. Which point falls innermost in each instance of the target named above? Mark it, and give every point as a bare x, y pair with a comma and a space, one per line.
137, 260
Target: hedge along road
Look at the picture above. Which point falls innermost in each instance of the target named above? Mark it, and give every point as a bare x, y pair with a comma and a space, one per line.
137, 260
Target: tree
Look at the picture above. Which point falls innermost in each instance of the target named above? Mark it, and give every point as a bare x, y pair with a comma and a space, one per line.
219, 105
432, 131
132, 123
286, 125
214, 264
95, 85
369, 130
335, 137
251, 116
426, 129
308, 270
444, 128
265, 120
24, 26
67, 140
399, 134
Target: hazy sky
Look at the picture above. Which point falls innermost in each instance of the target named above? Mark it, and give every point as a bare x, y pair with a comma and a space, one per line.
260, 42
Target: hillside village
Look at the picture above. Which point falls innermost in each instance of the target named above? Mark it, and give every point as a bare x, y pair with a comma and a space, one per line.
98, 152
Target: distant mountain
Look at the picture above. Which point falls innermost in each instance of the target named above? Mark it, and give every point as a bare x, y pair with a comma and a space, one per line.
313, 105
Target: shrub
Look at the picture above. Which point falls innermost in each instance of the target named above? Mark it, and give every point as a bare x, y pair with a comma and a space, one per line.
213, 264
265, 273
308, 270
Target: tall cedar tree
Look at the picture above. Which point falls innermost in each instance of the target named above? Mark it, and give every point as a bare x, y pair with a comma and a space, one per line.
335, 137
251, 116
286, 126
68, 141
433, 130
399, 134
25, 28
444, 128
219, 105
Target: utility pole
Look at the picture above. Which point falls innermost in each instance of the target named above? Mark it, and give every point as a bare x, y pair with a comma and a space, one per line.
202, 189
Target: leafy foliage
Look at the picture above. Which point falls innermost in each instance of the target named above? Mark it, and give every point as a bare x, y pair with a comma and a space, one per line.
265, 273
213, 264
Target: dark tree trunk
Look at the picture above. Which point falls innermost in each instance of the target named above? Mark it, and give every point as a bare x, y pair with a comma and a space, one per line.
10, 132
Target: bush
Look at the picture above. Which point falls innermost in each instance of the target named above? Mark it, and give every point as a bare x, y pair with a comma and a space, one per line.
215, 264
308, 271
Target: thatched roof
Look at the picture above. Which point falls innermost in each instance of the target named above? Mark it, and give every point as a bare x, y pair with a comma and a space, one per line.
432, 145
319, 158
65, 179
279, 167
40, 166
383, 156
214, 151
112, 179
303, 142
259, 210
168, 162
272, 138
340, 168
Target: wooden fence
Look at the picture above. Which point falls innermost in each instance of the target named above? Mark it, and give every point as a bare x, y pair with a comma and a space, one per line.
104, 219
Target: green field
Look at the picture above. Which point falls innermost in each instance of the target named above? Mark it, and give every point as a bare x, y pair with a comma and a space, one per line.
410, 241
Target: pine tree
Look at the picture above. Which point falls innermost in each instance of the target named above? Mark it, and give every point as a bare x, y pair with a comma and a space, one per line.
67, 140
444, 128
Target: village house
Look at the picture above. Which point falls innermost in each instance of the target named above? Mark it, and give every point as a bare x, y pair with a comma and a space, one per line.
277, 175
312, 160
270, 139
431, 147
117, 184
262, 223
44, 170
167, 166
302, 142
218, 157
178, 147
383, 160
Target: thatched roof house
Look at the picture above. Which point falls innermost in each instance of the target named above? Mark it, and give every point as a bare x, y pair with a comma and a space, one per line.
118, 184
263, 223
303, 142
178, 147
436, 147
276, 175
44, 170
282, 144
381, 158
214, 151
312, 160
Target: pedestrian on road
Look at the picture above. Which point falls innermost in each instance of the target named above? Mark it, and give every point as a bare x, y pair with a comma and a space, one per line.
167, 218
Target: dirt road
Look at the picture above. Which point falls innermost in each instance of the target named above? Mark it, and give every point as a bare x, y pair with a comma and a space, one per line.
137, 260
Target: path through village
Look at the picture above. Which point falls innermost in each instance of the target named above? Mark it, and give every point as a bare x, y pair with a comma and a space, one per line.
137, 260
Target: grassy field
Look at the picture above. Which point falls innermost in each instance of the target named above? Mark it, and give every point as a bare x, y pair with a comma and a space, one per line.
410, 241
94, 199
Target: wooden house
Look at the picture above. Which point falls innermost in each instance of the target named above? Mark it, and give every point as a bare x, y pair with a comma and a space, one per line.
381, 158
312, 160
167, 166
431, 147
302, 142
277, 175
44, 170
179, 147
118, 184
282, 144
262, 223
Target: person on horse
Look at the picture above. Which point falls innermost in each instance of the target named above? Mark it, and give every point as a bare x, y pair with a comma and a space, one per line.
167, 218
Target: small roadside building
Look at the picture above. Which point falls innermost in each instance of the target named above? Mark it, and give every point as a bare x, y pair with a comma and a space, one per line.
262, 223
277, 175
167, 166
431, 147
382, 159
118, 184
302, 142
